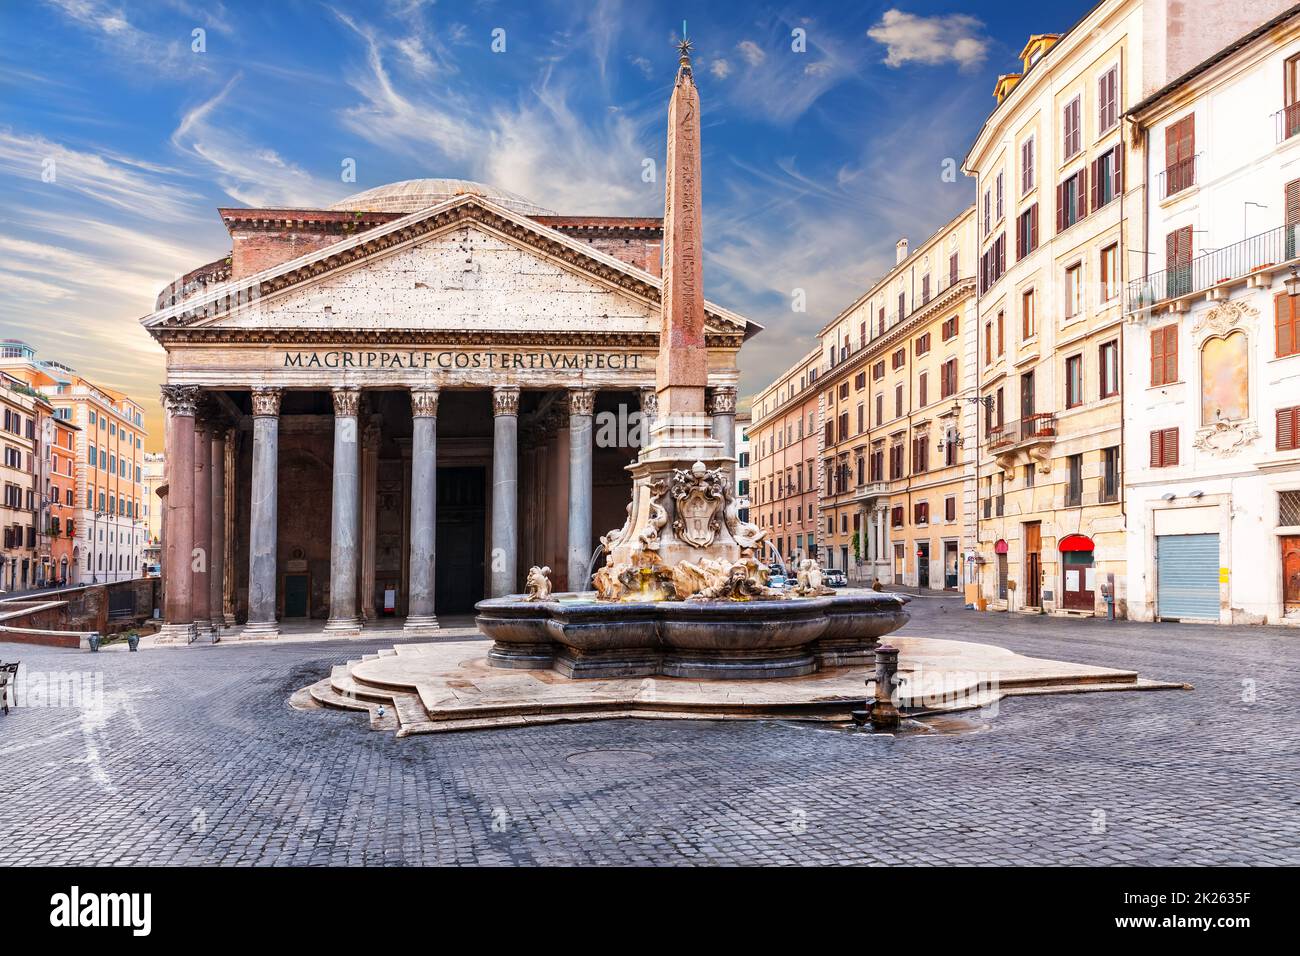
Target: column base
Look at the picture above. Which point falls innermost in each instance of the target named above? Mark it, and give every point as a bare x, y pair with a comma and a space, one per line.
176, 634
344, 627
230, 620
420, 624
259, 631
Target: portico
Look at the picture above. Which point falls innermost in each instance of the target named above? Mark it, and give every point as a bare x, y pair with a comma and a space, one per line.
402, 422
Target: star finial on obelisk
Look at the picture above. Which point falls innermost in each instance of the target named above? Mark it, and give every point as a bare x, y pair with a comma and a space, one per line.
682, 369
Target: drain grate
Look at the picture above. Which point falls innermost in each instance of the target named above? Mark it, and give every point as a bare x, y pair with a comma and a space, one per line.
608, 758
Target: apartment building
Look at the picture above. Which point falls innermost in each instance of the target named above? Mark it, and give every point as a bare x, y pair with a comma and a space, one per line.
899, 404
1212, 355
58, 484
783, 439
109, 480
155, 476
743, 455
23, 410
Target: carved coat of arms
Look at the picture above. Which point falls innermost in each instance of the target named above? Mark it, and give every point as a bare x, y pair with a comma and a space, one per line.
698, 495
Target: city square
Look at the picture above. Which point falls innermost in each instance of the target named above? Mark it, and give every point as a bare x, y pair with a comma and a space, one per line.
494, 435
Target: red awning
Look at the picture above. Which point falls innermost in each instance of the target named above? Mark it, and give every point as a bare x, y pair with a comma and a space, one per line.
1076, 542
1001, 547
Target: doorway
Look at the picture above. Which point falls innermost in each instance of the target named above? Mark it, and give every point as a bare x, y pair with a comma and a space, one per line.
297, 592
461, 539
950, 565
1291, 574
923, 564
1077, 593
1033, 564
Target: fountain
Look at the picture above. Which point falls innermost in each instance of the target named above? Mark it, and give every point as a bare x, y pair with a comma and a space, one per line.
682, 592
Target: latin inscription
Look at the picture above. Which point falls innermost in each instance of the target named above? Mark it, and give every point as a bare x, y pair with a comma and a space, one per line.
449, 360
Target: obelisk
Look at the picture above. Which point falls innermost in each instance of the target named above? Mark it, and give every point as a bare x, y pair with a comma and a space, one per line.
682, 369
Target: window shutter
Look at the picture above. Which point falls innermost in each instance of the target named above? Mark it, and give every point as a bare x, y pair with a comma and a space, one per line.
1021, 223
1083, 193
1284, 324
1157, 356
1117, 164
1033, 227
1171, 353
1169, 446
1288, 425
1156, 447
1095, 196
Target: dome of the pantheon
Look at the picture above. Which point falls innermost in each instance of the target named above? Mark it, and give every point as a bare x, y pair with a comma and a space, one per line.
414, 194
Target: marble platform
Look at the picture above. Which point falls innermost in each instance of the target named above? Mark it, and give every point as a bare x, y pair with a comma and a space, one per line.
432, 688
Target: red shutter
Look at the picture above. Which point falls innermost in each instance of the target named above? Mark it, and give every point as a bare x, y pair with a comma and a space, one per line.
1293, 202
1155, 449
1118, 166
1169, 449
1286, 324
1095, 195
1171, 353
1033, 227
1083, 193
1021, 222
1060, 206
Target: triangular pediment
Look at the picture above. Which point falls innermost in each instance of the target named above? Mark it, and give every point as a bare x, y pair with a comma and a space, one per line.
464, 265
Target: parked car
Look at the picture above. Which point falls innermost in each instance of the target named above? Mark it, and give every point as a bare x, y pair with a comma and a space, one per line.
835, 578
777, 580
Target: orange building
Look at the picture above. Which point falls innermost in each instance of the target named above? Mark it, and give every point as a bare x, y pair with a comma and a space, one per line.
58, 500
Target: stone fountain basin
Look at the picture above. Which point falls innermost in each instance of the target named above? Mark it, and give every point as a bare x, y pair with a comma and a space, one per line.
580, 636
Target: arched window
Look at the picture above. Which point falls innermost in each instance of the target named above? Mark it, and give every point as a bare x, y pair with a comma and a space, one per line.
1225, 379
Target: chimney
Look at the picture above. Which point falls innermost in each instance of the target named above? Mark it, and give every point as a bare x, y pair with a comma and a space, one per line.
901, 251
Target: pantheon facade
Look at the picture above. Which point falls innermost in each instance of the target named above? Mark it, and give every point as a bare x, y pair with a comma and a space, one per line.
396, 405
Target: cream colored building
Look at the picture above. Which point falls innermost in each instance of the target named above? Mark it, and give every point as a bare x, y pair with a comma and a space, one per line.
1058, 203
898, 402
20, 429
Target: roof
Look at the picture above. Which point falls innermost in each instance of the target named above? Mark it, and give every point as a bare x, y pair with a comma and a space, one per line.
411, 195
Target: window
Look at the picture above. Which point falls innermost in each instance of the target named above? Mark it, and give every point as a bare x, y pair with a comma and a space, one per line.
1108, 369
1110, 473
1001, 336
878, 371
1291, 115
1028, 326
923, 344
880, 408
988, 212
1288, 428
993, 263
1164, 355
895, 461
1286, 324
952, 269
920, 453
950, 328
1073, 133
1071, 200
862, 425
950, 509
844, 390
998, 191
1164, 448
896, 516
1029, 475
898, 400
1027, 232
1074, 381
1074, 291
1178, 262
1110, 272
922, 390
877, 464
902, 305
1074, 481
921, 512
899, 358
948, 380
1108, 99
1180, 155
860, 381
925, 288
1107, 177
1026, 166
988, 343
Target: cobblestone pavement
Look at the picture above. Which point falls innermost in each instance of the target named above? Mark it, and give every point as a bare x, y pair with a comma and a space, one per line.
196, 758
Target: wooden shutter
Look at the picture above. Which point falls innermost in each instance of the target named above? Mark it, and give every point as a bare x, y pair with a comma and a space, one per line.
1082, 193
1060, 206
1033, 227
1022, 221
1095, 195
1117, 167
1178, 247
1293, 202
1288, 428
1169, 449
1180, 141
1286, 324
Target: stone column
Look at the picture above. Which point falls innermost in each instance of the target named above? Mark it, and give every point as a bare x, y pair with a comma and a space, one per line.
420, 616
201, 598
720, 402
369, 487
345, 523
229, 587
582, 403
217, 537
178, 544
263, 515
505, 490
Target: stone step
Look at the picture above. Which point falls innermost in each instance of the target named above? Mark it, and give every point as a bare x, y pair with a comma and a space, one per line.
325, 695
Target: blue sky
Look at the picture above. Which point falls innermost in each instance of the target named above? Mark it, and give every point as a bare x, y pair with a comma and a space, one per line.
815, 162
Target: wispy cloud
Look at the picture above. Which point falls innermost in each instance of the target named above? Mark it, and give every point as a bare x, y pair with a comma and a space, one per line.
115, 33
950, 38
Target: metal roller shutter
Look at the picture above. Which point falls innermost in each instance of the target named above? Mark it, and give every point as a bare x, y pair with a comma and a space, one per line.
1187, 576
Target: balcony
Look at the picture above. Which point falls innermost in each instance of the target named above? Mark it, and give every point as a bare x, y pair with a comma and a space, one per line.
1286, 122
1237, 262
1178, 177
1033, 429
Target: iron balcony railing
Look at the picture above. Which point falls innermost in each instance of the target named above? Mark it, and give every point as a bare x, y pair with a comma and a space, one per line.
1286, 122
1237, 261
1035, 427
1178, 176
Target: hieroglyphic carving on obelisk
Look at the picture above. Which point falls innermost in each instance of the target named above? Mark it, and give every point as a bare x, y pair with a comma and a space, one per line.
682, 370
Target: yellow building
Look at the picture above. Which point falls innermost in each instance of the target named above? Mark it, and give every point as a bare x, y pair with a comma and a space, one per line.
24, 547
899, 406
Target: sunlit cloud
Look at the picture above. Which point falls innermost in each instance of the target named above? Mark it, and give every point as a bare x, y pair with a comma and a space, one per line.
952, 38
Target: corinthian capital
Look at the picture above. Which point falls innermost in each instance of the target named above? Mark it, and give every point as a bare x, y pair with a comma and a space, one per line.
346, 402
582, 401
180, 399
424, 401
721, 400
266, 402
505, 400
